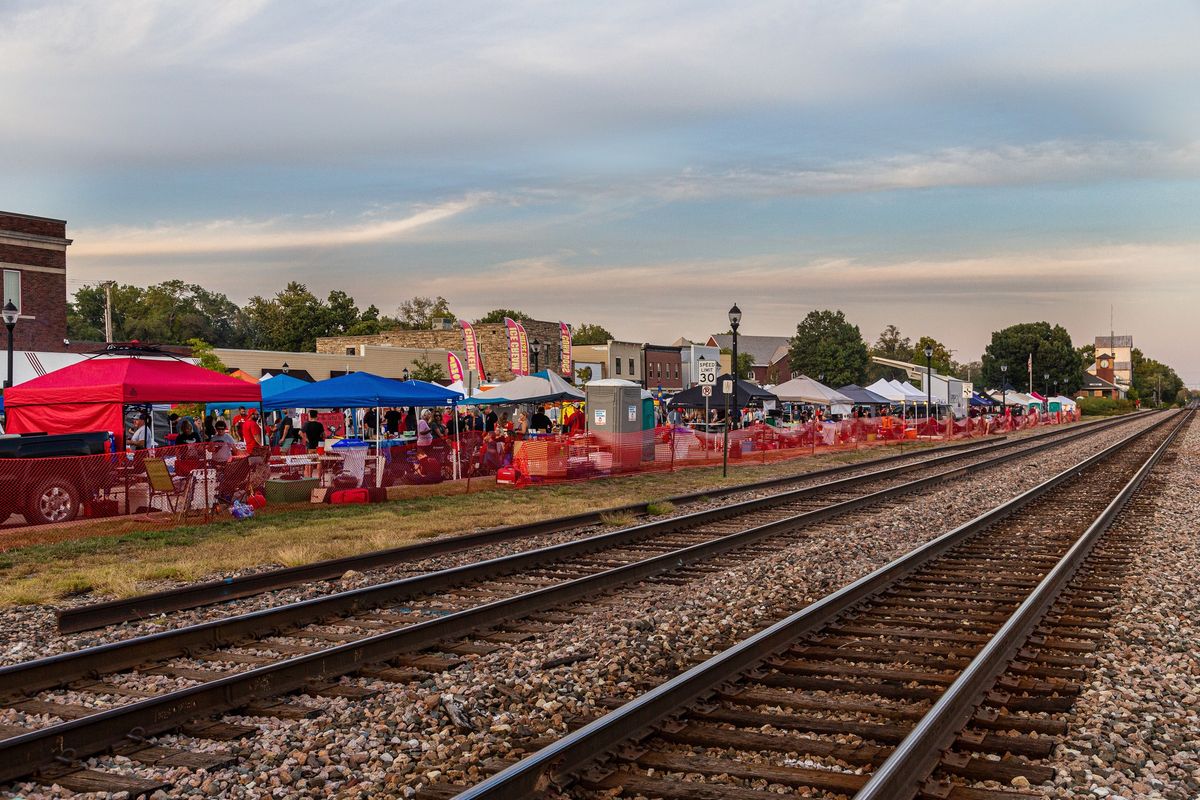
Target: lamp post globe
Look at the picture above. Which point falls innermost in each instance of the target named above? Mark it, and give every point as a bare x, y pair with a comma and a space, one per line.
9, 314
735, 322
405, 373
535, 348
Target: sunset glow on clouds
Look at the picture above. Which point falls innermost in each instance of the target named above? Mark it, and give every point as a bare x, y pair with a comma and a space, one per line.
950, 168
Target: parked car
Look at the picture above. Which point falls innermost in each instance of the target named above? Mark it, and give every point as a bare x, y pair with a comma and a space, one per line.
40, 480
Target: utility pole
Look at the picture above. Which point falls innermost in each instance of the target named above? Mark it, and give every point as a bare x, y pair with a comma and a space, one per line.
108, 329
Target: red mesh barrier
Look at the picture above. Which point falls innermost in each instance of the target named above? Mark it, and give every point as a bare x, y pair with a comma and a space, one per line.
199, 482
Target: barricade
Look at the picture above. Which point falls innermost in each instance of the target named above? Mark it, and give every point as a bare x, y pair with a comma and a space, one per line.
200, 482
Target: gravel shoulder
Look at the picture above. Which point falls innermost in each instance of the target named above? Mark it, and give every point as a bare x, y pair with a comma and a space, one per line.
1135, 731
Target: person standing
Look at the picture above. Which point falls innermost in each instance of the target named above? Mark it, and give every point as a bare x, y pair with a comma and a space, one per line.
136, 439
392, 421
251, 432
491, 420
239, 420
314, 432
424, 431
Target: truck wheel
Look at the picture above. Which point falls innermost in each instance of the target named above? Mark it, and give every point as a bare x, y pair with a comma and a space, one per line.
52, 500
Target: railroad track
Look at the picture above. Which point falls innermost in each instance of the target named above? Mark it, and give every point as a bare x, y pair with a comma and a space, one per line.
92, 701
936, 676
96, 615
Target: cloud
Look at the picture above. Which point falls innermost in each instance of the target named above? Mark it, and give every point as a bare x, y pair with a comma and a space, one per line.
248, 236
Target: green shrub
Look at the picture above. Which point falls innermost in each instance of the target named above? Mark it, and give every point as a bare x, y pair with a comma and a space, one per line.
1103, 406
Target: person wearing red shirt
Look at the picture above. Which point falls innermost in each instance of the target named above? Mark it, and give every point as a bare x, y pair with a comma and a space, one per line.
238, 420
251, 432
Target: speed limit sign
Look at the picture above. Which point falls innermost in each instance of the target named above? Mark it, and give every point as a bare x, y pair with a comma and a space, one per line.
706, 372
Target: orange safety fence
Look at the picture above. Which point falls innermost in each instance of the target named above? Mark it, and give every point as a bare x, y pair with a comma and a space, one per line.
204, 481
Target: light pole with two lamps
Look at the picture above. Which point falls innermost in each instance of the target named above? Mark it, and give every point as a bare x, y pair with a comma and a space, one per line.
10, 314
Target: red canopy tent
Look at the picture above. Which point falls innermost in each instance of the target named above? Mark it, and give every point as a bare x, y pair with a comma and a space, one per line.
89, 396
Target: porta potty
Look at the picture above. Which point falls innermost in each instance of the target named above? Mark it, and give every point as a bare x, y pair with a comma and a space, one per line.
615, 420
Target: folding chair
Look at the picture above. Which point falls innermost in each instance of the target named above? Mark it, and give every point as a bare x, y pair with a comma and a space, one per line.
178, 494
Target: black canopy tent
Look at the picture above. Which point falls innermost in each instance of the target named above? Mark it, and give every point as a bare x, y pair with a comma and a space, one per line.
745, 395
863, 397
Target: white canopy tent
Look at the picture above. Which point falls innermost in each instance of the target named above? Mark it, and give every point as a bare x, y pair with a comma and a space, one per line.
805, 390
885, 389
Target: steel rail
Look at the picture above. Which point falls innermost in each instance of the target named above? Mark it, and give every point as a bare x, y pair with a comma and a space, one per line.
556, 762
61, 669
96, 615
919, 753
25, 753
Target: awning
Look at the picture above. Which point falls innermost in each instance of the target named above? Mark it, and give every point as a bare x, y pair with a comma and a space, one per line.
363, 390
805, 390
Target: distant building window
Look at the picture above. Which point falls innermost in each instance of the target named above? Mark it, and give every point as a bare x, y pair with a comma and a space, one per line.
12, 288
618, 366
349, 351
631, 371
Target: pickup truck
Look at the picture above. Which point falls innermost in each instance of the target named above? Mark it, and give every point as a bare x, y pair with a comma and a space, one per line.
39, 480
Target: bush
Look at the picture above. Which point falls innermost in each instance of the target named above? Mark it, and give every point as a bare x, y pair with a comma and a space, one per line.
1103, 406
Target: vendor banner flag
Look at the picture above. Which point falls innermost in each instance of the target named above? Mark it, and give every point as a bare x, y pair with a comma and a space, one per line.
471, 345
456, 370
524, 348
514, 347
564, 331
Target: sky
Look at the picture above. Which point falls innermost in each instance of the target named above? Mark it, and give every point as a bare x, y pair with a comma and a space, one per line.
948, 167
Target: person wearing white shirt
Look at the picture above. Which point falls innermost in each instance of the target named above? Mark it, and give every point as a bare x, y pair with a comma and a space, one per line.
137, 437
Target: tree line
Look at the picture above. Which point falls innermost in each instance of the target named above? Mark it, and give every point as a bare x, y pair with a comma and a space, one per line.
175, 312
828, 344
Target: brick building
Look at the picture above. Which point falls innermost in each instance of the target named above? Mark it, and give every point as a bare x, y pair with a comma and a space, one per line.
493, 344
663, 367
33, 260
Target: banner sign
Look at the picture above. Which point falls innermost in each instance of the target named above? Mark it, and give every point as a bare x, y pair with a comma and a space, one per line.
524, 340
514, 347
471, 344
455, 366
334, 422
564, 331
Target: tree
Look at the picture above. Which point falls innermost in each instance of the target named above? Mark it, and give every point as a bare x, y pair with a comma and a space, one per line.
1153, 379
167, 313
587, 333
941, 360
745, 365
418, 313
826, 343
1087, 354
498, 315
295, 318
427, 371
1052, 353
890, 344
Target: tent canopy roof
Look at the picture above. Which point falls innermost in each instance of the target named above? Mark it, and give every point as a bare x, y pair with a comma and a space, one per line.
131, 381
363, 390
541, 387
746, 394
270, 386
862, 396
806, 390
885, 389
911, 392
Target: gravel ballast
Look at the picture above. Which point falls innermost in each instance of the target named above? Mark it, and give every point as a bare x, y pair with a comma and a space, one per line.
443, 729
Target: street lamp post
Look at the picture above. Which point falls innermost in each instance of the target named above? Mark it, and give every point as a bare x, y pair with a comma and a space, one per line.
10, 315
1046, 381
735, 322
1003, 388
928, 381
535, 347
285, 368
405, 373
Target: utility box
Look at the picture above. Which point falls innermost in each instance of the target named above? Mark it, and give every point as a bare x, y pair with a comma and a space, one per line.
615, 417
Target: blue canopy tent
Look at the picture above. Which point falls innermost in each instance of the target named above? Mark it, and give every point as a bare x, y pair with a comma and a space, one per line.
276, 384
362, 390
